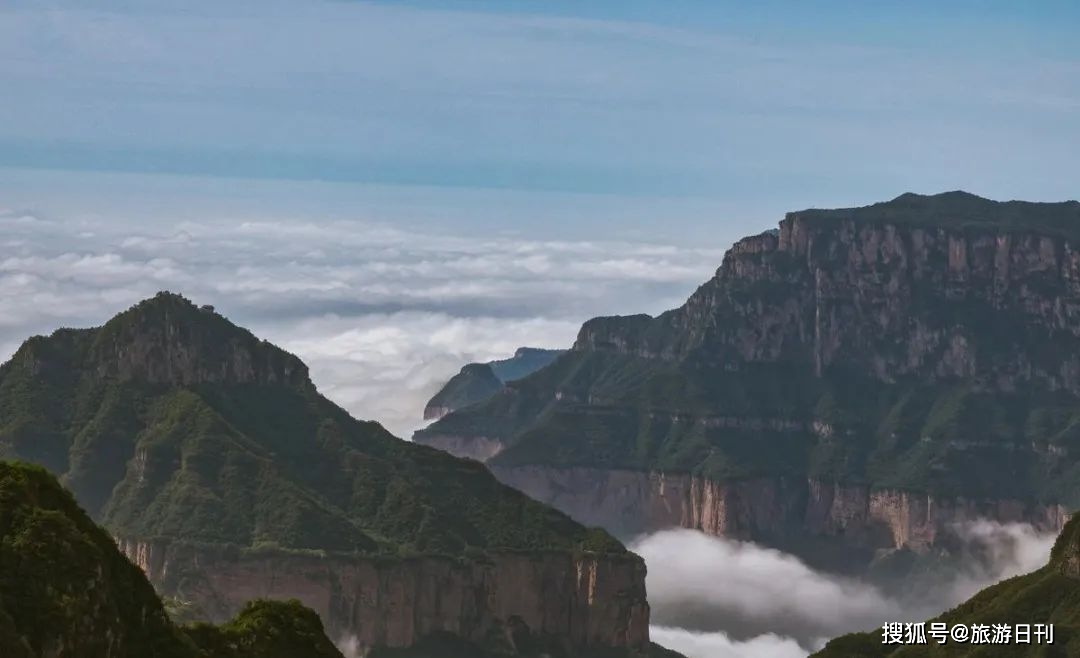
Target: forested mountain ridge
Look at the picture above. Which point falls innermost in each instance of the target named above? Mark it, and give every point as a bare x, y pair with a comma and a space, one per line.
222, 472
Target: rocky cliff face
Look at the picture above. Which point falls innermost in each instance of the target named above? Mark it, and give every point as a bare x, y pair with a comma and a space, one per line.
586, 601
630, 503
890, 298
867, 373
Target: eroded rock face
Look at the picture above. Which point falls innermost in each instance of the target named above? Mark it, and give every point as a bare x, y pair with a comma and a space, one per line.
891, 301
589, 601
630, 503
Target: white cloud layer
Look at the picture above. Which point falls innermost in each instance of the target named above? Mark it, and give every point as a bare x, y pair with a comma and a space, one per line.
383, 315
713, 597
710, 584
720, 645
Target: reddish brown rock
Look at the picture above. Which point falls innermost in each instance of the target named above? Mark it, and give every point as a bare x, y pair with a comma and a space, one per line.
629, 503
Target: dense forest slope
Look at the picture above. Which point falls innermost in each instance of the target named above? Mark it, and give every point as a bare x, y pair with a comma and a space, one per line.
220, 470
66, 590
865, 375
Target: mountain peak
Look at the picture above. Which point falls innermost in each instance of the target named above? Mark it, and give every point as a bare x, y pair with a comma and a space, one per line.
167, 339
167, 306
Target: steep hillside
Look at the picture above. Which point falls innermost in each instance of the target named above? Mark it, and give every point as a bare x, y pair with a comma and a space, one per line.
1049, 596
65, 590
225, 475
479, 381
864, 375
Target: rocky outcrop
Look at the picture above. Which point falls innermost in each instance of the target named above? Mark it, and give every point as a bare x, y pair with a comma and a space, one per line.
630, 503
586, 600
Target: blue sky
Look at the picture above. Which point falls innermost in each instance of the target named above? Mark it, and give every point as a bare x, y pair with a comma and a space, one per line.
394, 189
705, 113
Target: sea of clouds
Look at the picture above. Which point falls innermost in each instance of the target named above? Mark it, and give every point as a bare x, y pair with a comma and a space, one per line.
382, 314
